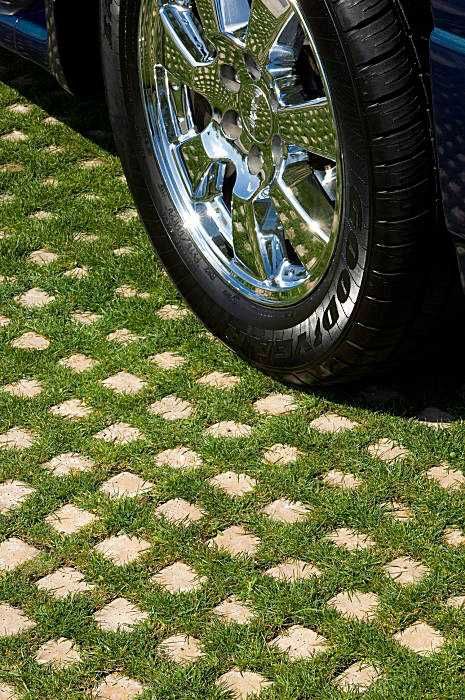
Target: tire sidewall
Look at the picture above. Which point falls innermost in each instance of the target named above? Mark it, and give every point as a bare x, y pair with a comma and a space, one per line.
289, 337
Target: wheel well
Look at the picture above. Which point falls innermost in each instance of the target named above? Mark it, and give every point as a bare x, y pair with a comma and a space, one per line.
75, 44
419, 17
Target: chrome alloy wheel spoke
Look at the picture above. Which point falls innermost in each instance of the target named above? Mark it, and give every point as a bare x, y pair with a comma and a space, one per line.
190, 56
267, 19
224, 17
245, 136
187, 35
309, 126
304, 208
197, 163
174, 106
208, 16
246, 236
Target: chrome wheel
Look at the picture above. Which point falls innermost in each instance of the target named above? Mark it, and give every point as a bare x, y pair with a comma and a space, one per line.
243, 130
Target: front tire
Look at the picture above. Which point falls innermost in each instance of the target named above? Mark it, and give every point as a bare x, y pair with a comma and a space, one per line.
356, 318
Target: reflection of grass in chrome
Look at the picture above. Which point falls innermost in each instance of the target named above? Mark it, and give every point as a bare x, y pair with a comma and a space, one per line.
150, 487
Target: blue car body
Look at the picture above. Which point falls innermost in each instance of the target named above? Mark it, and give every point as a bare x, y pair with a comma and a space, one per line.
447, 49
28, 27
25, 30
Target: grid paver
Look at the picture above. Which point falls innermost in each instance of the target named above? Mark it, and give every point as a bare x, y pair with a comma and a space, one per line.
172, 521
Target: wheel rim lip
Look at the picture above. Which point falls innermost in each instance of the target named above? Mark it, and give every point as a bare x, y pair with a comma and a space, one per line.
229, 270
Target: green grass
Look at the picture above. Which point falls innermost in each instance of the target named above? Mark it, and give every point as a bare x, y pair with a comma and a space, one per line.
82, 132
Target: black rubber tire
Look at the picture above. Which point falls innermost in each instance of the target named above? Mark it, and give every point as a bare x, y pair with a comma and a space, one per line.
359, 318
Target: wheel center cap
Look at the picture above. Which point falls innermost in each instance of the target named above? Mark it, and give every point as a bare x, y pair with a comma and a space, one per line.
256, 113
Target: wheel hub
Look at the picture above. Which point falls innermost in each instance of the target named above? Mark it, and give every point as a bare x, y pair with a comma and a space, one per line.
256, 113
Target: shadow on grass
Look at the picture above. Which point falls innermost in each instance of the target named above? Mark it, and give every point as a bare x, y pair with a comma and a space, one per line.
436, 379
408, 390
86, 115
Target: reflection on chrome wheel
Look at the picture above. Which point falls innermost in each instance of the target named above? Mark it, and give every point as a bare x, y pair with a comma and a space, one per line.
243, 129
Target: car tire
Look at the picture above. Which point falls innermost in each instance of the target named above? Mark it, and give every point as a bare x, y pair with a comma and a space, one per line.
375, 296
